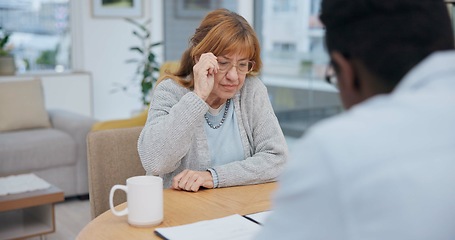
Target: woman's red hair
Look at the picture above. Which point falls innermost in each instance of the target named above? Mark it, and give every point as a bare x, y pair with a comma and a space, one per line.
221, 32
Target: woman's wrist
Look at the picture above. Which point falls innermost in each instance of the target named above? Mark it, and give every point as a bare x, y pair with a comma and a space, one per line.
203, 97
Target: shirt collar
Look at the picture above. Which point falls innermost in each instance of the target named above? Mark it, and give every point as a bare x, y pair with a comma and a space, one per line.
424, 73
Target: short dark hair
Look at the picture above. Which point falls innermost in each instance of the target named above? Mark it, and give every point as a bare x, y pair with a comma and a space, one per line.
390, 37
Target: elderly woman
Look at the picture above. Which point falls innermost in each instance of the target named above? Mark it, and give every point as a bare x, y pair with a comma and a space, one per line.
211, 123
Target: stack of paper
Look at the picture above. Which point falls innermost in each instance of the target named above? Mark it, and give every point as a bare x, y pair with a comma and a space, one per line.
230, 227
21, 183
259, 217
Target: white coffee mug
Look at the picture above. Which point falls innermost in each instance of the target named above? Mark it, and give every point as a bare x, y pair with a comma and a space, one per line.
144, 196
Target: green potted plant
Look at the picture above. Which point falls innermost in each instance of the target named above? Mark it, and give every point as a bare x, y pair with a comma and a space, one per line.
306, 66
7, 65
147, 70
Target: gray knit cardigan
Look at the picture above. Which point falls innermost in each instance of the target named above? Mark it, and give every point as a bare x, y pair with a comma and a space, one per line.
174, 139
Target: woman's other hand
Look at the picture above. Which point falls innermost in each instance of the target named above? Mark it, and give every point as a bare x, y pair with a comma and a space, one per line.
190, 180
204, 74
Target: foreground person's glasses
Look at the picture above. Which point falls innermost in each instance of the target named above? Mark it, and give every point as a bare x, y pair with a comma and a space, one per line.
330, 76
242, 67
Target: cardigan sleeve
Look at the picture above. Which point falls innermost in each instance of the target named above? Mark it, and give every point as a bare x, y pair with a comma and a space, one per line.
173, 113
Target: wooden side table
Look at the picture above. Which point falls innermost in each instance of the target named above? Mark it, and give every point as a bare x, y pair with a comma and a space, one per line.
28, 214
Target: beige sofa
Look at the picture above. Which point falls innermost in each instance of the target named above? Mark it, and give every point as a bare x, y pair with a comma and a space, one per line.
49, 143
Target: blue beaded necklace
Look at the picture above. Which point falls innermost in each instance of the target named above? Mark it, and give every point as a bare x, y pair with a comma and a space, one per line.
222, 120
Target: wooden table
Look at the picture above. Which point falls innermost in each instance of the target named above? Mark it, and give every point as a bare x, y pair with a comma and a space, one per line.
28, 214
182, 207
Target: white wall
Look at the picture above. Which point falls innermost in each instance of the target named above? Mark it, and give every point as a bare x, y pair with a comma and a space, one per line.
246, 9
101, 46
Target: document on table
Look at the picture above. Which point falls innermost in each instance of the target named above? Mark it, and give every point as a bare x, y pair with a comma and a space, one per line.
259, 217
230, 227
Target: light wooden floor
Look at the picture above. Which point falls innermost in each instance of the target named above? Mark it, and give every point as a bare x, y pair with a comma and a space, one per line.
70, 217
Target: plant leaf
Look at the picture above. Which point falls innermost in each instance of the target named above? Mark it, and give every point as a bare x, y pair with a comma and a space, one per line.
139, 35
131, 61
155, 44
137, 49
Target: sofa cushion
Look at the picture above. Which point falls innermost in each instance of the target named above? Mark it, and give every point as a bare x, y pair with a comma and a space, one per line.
22, 105
36, 149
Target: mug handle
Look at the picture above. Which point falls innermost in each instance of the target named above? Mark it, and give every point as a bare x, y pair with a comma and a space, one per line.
111, 200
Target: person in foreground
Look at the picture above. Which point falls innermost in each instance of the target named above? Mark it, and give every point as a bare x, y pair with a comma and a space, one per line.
383, 169
212, 124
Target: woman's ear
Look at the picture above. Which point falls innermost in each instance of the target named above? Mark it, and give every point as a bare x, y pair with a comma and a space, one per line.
348, 82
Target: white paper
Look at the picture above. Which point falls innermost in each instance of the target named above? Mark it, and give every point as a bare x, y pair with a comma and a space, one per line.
226, 228
21, 183
259, 217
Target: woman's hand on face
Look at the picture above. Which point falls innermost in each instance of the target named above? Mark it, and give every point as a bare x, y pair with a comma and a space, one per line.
190, 180
204, 74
